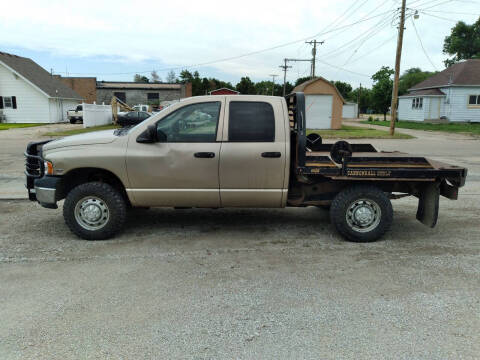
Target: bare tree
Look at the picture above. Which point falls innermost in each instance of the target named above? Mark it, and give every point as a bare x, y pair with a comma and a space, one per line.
171, 77
155, 77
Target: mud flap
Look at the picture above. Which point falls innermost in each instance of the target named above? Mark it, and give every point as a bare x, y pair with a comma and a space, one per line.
427, 212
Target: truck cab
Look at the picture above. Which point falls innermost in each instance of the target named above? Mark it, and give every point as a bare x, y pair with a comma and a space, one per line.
230, 151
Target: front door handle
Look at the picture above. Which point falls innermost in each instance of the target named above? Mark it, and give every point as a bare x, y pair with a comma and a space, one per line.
207, 155
274, 154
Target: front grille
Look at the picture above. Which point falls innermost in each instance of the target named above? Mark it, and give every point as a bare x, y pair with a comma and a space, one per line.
33, 162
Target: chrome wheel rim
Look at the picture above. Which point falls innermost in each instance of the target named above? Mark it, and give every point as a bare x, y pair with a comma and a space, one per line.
92, 213
363, 215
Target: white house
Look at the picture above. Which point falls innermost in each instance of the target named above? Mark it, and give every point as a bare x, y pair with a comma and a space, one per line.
452, 95
29, 94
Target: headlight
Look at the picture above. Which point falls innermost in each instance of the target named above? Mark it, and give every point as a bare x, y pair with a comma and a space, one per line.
48, 166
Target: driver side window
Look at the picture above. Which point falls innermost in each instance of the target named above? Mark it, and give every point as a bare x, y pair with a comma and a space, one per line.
192, 123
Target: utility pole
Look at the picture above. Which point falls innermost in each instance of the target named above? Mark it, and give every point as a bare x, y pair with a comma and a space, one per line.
314, 54
398, 57
358, 100
284, 67
273, 81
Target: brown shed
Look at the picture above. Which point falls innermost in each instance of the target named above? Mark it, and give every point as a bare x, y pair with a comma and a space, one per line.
323, 104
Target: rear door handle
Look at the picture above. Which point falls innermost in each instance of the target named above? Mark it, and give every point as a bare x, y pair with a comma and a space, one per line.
273, 154
207, 155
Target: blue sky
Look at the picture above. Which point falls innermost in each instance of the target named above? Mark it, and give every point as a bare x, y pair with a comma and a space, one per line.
114, 39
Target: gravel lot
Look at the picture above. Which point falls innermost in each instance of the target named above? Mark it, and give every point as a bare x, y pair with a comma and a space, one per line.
245, 283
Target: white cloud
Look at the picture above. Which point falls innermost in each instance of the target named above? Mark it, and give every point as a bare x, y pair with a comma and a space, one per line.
189, 32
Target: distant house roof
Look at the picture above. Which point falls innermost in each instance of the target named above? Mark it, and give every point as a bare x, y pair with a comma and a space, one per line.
425, 92
463, 73
301, 87
223, 91
38, 76
135, 85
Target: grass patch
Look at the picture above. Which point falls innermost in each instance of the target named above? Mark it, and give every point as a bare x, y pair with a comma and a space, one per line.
470, 128
4, 126
81, 131
355, 132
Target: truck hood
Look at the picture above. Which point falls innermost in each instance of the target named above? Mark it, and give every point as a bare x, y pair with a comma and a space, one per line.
96, 137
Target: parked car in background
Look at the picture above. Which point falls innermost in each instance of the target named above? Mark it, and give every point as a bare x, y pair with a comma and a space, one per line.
75, 115
140, 107
132, 117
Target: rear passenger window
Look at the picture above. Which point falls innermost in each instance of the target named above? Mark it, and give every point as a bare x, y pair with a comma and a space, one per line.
251, 122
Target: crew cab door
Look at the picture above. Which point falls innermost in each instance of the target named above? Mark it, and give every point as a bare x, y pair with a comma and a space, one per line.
183, 169
254, 154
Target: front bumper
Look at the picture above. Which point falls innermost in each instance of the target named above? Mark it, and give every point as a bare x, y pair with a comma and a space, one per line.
47, 191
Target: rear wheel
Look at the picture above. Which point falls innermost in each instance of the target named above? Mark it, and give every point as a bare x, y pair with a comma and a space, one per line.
94, 211
361, 213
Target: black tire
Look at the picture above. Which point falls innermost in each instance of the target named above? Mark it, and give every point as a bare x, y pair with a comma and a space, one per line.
73, 121
358, 199
106, 197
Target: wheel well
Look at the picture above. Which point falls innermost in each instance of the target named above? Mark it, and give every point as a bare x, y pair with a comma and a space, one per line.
79, 176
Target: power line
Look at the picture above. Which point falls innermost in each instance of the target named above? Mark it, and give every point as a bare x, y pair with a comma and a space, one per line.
340, 68
242, 55
421, 44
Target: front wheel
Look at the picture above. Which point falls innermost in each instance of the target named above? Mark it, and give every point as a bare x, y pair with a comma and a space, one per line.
361, 213
94, 211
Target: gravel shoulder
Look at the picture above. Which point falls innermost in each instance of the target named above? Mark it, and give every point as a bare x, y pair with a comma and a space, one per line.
255, 283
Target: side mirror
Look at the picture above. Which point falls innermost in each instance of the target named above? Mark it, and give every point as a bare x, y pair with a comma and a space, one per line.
149, 135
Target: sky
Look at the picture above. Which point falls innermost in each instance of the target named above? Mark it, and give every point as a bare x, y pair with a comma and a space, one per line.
113, 40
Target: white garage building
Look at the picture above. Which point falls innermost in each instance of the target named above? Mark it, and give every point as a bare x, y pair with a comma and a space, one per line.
323, 104
29, 94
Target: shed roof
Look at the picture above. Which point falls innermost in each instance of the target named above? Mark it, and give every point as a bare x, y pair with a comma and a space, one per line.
301, 87
136, 86
462, 73
38, 76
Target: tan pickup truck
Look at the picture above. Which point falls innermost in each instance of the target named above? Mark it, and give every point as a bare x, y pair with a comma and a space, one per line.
230, 151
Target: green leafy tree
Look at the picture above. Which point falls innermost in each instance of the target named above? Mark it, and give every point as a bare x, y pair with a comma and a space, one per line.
140, 78
302, 80
381, 96
463, 42
410, 78
344, 88
246, 86
362, 96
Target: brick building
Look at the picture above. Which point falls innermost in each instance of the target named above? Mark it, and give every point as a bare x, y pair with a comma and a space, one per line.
129, 92
141, 93
86, 87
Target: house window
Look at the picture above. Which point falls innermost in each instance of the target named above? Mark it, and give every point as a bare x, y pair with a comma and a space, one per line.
152, 96
8, 102
474, 100
417, 103
120, 95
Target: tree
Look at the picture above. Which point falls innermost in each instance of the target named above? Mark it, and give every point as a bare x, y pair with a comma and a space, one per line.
246, 86
155, 77
463, 42
302, 80
381, 96
344, 88
171, 78
410, 78
140, 78
362, 97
